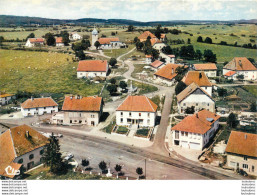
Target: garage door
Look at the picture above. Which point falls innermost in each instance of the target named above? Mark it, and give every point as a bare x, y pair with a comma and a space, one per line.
195, 146
184, 144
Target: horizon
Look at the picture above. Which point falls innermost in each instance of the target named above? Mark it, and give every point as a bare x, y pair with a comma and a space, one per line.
137, 10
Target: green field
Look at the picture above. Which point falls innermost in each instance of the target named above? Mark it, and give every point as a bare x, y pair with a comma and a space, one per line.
251, 89
42, 72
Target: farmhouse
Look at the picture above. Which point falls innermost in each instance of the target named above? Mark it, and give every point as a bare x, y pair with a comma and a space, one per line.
38, 106
242, 66
6, 98
59, 42
137, 111
157, 65
168, 58
144, 35
209, 69
241, 151
78, 110
195, 132
35, 42
157, 44
167, 74
21, 147
92, 68
75, 36
195, 96
200, 79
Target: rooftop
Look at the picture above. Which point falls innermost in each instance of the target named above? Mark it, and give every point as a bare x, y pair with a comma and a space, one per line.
157, 63
103, 41
230, 73
240, 63
36, 40
3, 95
92, 66
209, 66
197, 77
145, 34
38, 103
58, 39
168, 71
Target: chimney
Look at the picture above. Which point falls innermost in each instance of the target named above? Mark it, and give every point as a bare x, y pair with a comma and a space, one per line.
200, 75
27, 134
240, 62
196, 115
71, 97
32, 98
245, 136
76, 97
172, 71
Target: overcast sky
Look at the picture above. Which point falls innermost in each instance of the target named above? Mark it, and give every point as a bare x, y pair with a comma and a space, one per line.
140, 10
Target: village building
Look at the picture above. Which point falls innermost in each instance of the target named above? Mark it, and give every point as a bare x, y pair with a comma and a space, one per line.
59, 42
167, 74
143, 37
157, 64
148, 59
242, 66
163, 37
169, 59
21, 149
157, 44
78, 110
241, 152
139, 111
75, 36
195, 131
35, 42
38, 106
209, 69
230, 75
6, 98
200, 79
92, 68
195, 96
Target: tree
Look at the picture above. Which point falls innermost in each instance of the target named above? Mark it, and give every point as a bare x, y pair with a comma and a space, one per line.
209, 56
112, 89
187, 52
31, 35
253, 107
222, 92
80, 54
113, 81
136, 39
118, 168
113, 34
85, 162
208, 40
251, 60
200, 39
139, 171
198, 54
123, 85
148, 42
65, 37
180, 87
188, 41
52, 156
139, 45
167, 50
158, 32
1, 40
85, 44
240, 77
232, 120
102, 165
130, 28
190, 110
97, 44
50, 40
113, 62
155, 54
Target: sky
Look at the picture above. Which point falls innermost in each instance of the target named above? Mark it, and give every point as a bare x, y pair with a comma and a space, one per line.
140, 10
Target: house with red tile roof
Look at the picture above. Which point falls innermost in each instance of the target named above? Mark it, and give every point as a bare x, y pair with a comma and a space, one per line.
195, 131
242, 66
157, 64
210, 69
38, 106
199, 78
136, 110
78, 110
169, 58
92, 68
35, 42
59, 42
157, 44
230, 75
145, 34
163, 37
241, 152
74, 36
6, 98
21, 147
195, 96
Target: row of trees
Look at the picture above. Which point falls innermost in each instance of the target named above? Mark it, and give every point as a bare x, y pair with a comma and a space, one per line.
146, 47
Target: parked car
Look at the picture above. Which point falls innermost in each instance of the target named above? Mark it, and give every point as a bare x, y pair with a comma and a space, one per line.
68, 157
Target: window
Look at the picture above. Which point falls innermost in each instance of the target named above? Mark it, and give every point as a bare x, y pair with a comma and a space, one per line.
196, 104
20, 161
41, 152
130, 114
121, 120
205, 87
44, 107
208, 104
184, 104
53, 106
121, 113
29, 109
92, 116
31, 156
70, 121
252, 168
139, 114
80, 121
148, 114
245, 166
186, 134
182, 133
245, 157
148, 121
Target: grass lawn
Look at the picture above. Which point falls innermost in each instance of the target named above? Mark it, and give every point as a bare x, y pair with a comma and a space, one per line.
142, 132
144, 88
42, 72
122, 130
252, 89
114, 53
108, 128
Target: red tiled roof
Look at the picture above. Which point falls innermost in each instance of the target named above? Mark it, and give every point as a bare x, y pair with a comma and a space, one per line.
163, 36
157, 63
166, 71
230, 73
240, 63
138, 104
58, 40
103, 41
3, 95
148, 56
197, 77
171, 56
145, 34
197, 123
209, 66
36, 40
154, 41
242, 143
92, 103
38, 103
92, 66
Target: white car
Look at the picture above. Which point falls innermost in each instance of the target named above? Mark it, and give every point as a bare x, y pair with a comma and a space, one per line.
69, 156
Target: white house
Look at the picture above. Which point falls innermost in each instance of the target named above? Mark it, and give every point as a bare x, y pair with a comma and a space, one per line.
148, 59
231, 75
200, 79
157, 44
35, 42
21, 147
195, 96
242, 66
169, 59
210, 69
75, 36
241, 152
157, 64
38, 106
59, 42
195, 132
6, 98
92, 68
78, 110
136, 110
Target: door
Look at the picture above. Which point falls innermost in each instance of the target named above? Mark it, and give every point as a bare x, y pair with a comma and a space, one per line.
92, 123
195, 146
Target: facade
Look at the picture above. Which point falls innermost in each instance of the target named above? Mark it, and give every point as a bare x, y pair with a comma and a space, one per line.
35, 42
136, 110
195, 96
75, 36
199, 78
157, 64
241, 152
231, 75
38, 106
21, 146
6, 98
242, 66
92, 68
157, 44
196, 131
148, 59
59, 42
78, 110
169, 59
209, 69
